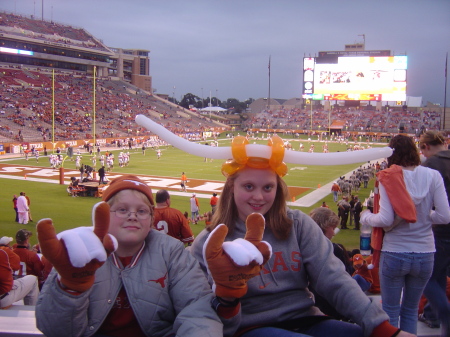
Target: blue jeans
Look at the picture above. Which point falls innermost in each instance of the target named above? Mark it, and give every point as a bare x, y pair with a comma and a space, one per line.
335, 196
435, 288
329, 327
407, 272
363, 283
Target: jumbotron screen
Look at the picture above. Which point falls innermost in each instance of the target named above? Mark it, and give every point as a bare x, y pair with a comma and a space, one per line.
365, 78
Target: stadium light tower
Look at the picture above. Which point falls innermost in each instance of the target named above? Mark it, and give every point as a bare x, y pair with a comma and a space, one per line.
202, 99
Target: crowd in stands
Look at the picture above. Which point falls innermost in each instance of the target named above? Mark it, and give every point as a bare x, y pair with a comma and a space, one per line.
390, 120
26, 105
48, 31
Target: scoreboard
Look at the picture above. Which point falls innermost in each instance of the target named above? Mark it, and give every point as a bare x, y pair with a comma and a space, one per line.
365, 76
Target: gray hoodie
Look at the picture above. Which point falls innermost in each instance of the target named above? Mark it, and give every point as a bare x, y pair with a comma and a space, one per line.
280, 293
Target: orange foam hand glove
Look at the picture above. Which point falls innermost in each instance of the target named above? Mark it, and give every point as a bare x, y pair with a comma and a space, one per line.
77, 253
231, 264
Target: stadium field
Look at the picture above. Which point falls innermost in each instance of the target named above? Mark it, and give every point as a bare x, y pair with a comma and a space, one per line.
49, 199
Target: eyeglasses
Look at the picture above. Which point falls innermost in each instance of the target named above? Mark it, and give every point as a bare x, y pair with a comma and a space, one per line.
123, 213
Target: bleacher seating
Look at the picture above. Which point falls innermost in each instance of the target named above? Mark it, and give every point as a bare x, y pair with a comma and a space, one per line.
20, 320
354, 119
26, 100
48, 30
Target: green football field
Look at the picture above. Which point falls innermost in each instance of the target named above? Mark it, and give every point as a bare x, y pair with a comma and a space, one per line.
52, 201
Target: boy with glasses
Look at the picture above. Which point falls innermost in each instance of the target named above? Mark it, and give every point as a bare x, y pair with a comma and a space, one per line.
121, 277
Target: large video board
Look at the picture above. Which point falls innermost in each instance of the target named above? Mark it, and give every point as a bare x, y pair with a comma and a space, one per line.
371, 78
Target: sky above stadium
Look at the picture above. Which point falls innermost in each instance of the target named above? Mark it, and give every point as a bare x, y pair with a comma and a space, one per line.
223, 47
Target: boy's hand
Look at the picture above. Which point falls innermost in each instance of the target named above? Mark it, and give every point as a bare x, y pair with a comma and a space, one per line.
231, 264
77, 253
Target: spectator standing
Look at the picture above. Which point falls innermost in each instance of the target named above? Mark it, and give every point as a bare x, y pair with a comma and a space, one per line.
183, 182
346, 188
170, 220
101, 175
344, 210
29, 203
335, 189
370, 202
435, 149
195, 208
14, 200
408, 193
81, 173
22, 208
351, 214
365, 178
357, 212
213, 202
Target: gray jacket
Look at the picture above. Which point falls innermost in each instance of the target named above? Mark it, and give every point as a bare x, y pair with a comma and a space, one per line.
166, 288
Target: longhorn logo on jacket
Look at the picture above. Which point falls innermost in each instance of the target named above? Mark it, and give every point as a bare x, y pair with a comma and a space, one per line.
160, 280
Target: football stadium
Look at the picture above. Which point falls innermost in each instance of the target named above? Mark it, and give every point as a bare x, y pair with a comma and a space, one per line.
69, 103
66, 93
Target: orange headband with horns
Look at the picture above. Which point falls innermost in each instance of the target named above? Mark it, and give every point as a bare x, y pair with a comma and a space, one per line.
241, 160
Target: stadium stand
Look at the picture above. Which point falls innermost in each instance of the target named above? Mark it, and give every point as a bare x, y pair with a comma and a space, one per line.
27, 90
27, 106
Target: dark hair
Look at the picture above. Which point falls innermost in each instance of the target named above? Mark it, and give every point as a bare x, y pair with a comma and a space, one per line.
276, 217
162, 196
405, 152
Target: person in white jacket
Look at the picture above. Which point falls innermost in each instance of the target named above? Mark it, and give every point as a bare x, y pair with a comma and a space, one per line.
407, 254
23, 209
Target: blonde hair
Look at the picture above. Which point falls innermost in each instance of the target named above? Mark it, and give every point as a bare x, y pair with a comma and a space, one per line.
137, 195
431, 138
324, 217
276, 218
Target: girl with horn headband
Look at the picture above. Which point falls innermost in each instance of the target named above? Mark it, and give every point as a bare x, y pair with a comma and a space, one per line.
261, 257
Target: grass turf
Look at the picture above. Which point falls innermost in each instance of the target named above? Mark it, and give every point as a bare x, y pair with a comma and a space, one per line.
52, 201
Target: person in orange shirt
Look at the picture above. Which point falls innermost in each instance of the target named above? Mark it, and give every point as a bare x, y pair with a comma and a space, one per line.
14, 259
11, 290
170, 220
335, 189
183, 182
213, 202
31, 264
